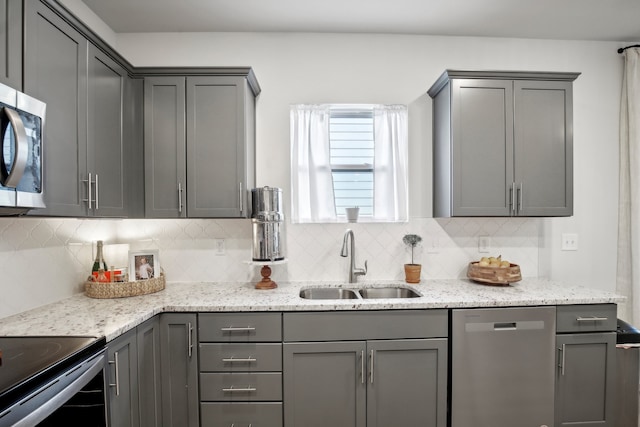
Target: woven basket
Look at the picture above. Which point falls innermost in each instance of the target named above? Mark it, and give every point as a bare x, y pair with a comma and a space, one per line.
494, 275
124, 289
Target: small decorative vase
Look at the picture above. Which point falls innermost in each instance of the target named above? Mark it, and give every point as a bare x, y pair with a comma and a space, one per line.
412, 273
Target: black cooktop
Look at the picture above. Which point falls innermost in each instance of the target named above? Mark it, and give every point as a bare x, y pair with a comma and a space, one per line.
27, 362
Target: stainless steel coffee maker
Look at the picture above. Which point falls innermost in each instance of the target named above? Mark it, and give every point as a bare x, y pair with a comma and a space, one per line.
267, 217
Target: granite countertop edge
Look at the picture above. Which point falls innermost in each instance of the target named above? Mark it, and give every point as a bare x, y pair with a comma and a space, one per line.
84, 316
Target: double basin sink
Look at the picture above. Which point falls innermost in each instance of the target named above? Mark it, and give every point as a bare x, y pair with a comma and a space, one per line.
362, 293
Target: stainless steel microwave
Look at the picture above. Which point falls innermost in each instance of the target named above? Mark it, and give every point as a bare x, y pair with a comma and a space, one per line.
21, 131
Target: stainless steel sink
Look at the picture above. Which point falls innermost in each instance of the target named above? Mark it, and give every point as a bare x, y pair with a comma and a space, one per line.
328, 293
362, 293
390, 292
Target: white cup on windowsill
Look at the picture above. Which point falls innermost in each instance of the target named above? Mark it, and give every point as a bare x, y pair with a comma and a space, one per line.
352, 214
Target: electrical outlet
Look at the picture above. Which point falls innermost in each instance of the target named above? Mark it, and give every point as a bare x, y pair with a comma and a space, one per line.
220, 247
569, 242
484, 244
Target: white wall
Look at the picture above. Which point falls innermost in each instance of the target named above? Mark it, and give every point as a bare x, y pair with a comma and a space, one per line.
315, 68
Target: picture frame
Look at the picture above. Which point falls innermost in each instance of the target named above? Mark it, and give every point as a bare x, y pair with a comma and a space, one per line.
144, 264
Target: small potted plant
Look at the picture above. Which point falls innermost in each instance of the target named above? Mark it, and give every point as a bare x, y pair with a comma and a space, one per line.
412, 271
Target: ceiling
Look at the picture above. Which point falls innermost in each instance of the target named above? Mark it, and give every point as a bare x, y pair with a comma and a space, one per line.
605, 20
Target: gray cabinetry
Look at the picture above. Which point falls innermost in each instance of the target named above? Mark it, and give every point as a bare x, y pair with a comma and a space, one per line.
86, 140
56, 73
122, 380
11, 43
502, 144
199, 146
179, 366
396, 374
585, 372
150, 398
240, 369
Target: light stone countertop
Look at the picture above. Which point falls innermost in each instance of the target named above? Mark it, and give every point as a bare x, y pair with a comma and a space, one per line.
80, 315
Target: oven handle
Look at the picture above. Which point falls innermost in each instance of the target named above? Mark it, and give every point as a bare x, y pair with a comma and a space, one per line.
12, 179
60, 398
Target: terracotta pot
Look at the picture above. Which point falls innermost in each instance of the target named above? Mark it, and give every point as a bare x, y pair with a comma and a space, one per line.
412, 273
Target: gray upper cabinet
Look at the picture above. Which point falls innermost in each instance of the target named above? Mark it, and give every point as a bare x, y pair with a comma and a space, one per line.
85, 145
502, 144
55, 72
199, 146
11, 43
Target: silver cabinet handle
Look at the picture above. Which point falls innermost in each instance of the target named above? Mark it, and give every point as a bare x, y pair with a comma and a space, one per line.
513, 198
89, 181
117, 373
239, 360
238, 329
179, 197
520, 196
371, 366
592, 319
563, 358
241, 198
96, 204
362, 367
21, 151
247, 389
190, 340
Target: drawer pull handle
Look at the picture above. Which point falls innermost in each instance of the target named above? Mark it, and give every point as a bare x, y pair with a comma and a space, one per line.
233, 425
238, 329
592, 319
239, 360
247, 389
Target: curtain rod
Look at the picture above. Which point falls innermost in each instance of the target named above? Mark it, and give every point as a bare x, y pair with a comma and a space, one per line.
622, 49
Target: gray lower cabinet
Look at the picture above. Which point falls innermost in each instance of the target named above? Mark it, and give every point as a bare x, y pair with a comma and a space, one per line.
86, 136
199, 146
133, 377
585, 376
11, 43
381, 380
502, 144
122, 380
240, 369
179, 367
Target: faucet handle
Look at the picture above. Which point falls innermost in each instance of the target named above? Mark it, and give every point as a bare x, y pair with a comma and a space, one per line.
361, 271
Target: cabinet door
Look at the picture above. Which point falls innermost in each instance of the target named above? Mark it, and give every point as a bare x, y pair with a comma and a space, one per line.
324, 384
407, 383
106, 142
122, 378
148, 341
585, 379
55, 72
544, 148
217, 147
179, 362
164, 147
11, 43
482, 147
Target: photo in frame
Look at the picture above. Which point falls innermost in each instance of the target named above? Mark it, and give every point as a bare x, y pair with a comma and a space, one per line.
144, 264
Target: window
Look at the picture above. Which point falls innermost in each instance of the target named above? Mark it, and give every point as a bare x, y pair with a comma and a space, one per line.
349, 156
352, 159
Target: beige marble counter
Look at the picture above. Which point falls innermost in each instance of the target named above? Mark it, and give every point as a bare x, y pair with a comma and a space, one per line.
80, 315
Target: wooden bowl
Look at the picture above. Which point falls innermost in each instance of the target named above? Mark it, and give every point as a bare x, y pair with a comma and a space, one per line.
499, 276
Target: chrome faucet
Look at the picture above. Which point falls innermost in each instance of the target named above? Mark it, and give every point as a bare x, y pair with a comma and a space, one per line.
345, 252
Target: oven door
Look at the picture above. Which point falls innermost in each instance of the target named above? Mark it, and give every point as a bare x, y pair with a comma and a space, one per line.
58, 399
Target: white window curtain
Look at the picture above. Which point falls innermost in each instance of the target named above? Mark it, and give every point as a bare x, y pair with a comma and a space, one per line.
311, 180
628, 272
390, 168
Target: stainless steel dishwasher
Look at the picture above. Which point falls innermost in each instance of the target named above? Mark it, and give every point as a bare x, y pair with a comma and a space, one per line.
502, 367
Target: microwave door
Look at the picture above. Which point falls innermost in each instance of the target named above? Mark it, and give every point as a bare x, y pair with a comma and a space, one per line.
7, 195
15, 152
30, 192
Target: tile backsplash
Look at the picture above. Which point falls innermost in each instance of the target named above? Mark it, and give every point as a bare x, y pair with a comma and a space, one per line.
44, 260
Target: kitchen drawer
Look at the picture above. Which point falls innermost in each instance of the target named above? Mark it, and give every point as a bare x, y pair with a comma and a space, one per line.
240, 357
391, 324
241, 387
263, 414
586, 318
240, 327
